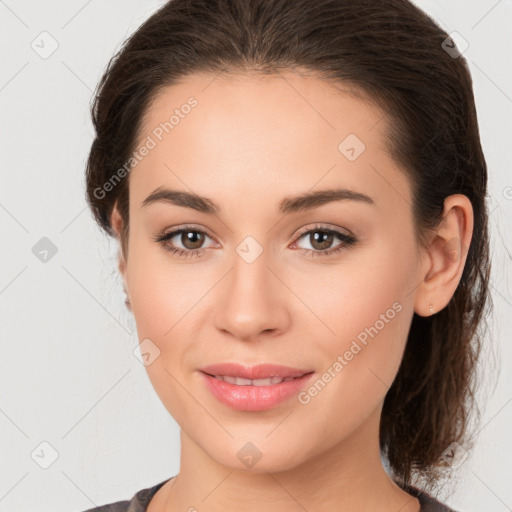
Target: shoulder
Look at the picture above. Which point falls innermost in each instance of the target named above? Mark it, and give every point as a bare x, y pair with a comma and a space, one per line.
428, 503
118, 506
137, 503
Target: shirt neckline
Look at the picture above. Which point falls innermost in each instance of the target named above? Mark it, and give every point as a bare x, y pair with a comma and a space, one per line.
140, 501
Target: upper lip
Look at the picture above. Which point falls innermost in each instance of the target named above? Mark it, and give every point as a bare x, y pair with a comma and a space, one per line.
260, 371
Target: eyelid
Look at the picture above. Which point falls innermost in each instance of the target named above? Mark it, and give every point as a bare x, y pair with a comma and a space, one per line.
187, 227
322, 227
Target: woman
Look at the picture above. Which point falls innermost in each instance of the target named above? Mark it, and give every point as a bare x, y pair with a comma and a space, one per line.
298, 192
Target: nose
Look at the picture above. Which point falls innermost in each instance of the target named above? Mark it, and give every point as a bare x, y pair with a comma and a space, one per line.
252, 301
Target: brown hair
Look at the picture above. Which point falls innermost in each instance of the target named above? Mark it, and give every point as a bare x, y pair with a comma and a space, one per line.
393, 52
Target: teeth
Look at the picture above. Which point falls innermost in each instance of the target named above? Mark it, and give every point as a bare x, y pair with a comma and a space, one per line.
239, 381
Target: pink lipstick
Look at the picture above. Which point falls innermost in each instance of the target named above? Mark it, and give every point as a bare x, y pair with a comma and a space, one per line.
254, 388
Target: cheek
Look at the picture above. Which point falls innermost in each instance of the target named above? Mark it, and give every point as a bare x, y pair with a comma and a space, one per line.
364, 310
368, 311
162, 292
163, 299
355, 294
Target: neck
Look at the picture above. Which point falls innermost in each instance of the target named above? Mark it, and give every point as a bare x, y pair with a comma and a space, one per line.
349, 476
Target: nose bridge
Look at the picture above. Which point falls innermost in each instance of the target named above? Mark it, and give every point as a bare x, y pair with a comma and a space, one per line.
251, 302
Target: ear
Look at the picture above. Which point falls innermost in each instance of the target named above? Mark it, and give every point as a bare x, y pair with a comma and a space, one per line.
117, 225
444, 260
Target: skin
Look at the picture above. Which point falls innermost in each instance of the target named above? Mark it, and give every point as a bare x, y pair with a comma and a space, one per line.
250, 142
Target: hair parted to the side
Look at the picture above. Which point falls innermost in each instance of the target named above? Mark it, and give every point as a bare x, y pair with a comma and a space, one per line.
391, 51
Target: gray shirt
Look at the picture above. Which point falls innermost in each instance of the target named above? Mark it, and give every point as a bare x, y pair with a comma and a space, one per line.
140, 501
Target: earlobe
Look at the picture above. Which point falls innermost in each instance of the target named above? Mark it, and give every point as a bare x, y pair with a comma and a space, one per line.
446, 256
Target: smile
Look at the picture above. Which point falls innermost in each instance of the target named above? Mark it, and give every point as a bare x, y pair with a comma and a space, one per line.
240, 381
256, 394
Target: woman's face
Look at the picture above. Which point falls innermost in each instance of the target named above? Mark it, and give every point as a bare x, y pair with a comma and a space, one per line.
264, 278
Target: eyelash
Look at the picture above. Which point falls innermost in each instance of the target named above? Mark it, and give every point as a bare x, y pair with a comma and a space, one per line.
348, 241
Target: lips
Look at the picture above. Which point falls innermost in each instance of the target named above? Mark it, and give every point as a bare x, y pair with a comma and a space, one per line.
255, 388
253, 373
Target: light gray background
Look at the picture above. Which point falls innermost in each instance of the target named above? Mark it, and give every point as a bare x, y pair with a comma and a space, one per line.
68, 374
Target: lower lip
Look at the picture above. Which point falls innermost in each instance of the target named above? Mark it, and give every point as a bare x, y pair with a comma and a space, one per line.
254, 398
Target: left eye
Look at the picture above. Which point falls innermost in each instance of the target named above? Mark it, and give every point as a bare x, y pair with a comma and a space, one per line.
321, 240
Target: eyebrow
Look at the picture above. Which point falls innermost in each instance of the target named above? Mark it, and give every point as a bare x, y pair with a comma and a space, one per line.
303, 202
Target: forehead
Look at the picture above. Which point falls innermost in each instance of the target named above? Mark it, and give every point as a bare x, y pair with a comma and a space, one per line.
242, 133
250, 101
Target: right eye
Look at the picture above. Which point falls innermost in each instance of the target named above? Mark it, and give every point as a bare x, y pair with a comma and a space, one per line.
189, 237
